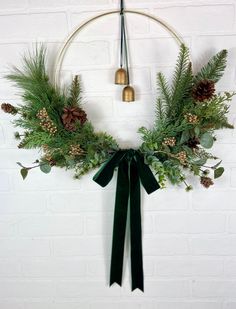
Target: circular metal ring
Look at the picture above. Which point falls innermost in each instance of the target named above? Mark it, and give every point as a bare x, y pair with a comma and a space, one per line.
62, 51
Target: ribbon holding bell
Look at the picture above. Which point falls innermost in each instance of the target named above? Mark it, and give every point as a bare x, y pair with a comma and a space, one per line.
131, 169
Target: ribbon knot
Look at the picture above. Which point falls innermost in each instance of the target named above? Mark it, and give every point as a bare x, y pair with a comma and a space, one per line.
131, 170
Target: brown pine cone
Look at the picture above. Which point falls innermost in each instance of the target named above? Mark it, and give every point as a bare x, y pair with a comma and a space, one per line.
206, 181
8, 108
71, 115
204, 90
193, 143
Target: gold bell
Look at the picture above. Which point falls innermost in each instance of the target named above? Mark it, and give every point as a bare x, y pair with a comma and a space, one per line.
128, 94
121, 77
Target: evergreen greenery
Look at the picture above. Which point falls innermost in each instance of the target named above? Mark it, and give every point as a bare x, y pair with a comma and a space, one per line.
188, 111
191, 123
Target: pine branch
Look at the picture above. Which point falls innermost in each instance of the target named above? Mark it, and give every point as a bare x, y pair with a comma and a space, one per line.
165, 92
160, 112
75, 92
35, 139
183, 90
181, 68
215, 68
37, 91
182, 82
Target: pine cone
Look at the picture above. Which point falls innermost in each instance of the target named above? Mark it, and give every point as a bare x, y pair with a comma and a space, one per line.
8, 108
21, 144
48, 157
71, 115
206, 181
204, 90
193, 143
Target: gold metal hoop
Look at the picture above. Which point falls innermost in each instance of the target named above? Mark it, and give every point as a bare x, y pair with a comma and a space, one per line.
62, 51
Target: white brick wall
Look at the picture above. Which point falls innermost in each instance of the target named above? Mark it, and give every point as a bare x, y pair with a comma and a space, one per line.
55, 232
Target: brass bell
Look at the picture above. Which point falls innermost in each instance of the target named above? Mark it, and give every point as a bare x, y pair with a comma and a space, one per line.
121, 77
128, 94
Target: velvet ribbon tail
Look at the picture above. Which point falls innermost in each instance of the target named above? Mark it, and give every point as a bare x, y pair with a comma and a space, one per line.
131, 169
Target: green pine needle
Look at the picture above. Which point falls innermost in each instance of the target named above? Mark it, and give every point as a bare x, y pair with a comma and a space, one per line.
75, 92
182, 82
215, 68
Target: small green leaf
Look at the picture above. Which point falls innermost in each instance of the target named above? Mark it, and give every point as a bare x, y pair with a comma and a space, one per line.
218, 164
184, 137
197, 131
196, 170
218, 172
207, 140
166, 148
200, 162
45, 168
24, 173
20, 164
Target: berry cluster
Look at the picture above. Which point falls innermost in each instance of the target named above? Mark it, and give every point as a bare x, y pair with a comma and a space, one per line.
46, 123
75, 150
193, 119
182, 157
169, 141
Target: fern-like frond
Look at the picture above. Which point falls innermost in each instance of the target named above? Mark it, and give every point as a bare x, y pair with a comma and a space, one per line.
215, 68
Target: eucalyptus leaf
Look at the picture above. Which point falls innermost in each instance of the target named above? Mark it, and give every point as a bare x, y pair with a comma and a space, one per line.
184, 137
196, 169
200, 162
24, 173
206, 140
166, 148
45, 168
197, 131
218, 164
218, 172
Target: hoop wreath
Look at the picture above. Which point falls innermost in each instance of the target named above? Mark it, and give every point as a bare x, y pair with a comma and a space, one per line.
188, 111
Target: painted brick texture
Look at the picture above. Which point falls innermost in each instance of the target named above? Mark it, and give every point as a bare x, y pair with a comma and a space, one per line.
55, 232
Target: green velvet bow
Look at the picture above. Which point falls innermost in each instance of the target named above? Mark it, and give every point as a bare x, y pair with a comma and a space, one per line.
131, 169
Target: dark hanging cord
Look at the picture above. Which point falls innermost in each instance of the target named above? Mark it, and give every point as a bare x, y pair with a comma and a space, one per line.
123, 42
126, 55
121, 32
